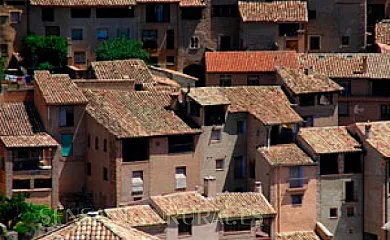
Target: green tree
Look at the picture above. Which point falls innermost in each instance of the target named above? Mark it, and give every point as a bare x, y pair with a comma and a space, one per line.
18, 215
44, 51
120, 49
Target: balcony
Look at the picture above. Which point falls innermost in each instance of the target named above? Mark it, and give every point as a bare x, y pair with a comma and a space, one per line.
31, 166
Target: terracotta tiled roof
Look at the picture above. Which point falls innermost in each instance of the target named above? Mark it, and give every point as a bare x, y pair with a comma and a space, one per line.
135, 216
267, 103
158, 1
275, 11
164, 81
285, 154
177, 204
193, 3
249, 61
302, 235
380, 136
382, 32
98, 227
350, 65
242, 205
135, 113
36, 140
300, 83
83, 3
123, 69
208, 96
58, 89
324, 140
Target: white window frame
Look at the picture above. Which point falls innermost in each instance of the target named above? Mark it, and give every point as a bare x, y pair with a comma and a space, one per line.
194, 42
137, 183
181, 178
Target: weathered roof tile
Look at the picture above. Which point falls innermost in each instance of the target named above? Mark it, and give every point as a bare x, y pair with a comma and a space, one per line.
285, 154
135, 216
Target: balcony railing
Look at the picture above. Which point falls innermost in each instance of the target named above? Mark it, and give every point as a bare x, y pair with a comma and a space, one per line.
31, 164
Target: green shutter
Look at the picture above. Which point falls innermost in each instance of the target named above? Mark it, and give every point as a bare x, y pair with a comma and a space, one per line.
66, 144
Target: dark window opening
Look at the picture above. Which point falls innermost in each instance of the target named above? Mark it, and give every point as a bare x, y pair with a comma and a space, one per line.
241, 127
296, 177
28, 159
375, 13
225, 80
135, 149
380, 88
185, 226
308, 121
237, 225
66, 117
89, 169
105, 145
253, 80
312, 14
15, 3
191, 13
80, 12
385, 112
345, 40
265, 228
288, 29
333, 213
329, 164
170, 39
52, 31
170, 61
230, 10
350, 211
47, 14
89, 141
153, 61
96, 143
349, 192
297, 199
239, 167
214, 115
105, 174
181, 143
352, 163
21, 184
282, 134
224, 43
149, 39
42, 183
343, 109
77, 34
114, 12
4, 50
307, 100
347, 88
157, 13
314, 43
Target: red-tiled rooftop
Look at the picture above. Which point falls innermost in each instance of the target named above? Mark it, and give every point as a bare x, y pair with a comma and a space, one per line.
382, 32
275, 11
123, 69
83, 3
36, 140
266, 103
58, 89
98, 227
380, 136
349, 65
242, 205
300, 83
299, 235
135, 113
183, 203
285, 154
135, 216
323, 140
249, 61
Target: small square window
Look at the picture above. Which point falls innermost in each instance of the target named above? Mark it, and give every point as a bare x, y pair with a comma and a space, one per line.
225, 80
333, 213
185, 226
102, 33
220, 164
170, 61
350, 211
105, 174
15, 17
296, 199
4, 50
345, 40
77, 34
241, 127
80, 58
52, 31
312, 14
308, 121
257, 133
137, 198
253, 80
216, 135
314, 42
47, 14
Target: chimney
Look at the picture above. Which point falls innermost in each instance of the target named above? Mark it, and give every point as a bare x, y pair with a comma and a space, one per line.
364, 64
308, 71
367, 131
258, 187
174, 101
210, 186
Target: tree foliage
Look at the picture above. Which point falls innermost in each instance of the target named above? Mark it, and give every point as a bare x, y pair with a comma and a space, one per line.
120, 49
47, 50
18, 215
